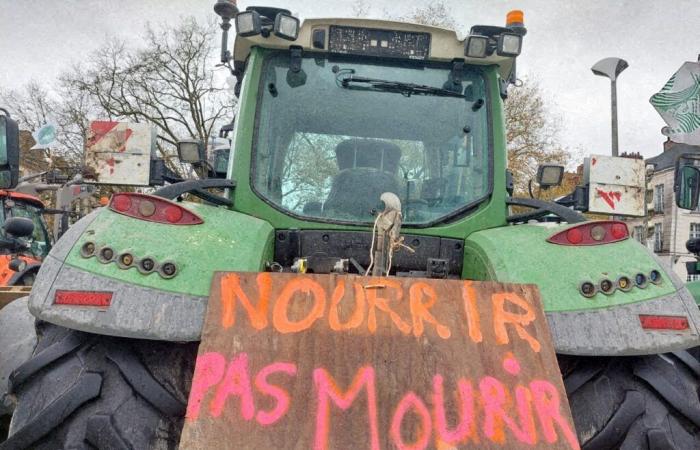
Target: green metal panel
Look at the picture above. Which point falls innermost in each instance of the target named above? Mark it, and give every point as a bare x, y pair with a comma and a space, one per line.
694, 288
521, 254
227, 240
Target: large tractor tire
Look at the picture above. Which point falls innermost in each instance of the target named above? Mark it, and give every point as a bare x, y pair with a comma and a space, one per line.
649, 402
83, 391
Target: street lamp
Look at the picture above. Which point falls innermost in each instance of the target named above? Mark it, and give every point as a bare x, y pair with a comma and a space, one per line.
611, 68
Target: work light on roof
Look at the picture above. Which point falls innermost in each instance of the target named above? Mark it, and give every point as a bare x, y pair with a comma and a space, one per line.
476, 47
248, 23
286, 27
509, 44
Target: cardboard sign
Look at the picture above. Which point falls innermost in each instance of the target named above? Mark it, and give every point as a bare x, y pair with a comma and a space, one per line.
292, 361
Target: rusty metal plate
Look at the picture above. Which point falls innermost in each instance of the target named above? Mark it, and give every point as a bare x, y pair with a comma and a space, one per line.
293, 361
617, 186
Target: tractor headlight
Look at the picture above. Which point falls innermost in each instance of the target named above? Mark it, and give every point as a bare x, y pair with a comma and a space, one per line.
476, 47
286, 27
248, 23
509, 44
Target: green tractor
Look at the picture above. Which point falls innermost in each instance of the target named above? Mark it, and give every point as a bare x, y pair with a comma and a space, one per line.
338, 120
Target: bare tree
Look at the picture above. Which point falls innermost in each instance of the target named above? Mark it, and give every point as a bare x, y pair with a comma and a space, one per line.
435, 14
531, 134
35, 105
168, 82
361, 8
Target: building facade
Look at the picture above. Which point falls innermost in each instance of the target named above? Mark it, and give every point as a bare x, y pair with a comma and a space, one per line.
666, 228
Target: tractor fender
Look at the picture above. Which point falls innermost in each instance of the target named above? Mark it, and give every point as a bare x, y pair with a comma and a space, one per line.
145, 305
17, 342
602, 324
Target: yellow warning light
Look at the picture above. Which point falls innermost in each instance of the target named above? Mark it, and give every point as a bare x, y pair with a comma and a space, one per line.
515, 18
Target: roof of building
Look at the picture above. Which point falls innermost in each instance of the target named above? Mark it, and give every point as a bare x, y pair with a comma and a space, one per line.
667, 159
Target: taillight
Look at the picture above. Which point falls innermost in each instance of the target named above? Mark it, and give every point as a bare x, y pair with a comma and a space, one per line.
83, 298
152, 209
592, 233
650, 322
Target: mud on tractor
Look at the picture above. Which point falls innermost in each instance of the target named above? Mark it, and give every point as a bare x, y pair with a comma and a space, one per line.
338, 120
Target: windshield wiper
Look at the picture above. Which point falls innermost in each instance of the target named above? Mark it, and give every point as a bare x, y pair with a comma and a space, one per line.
398, 87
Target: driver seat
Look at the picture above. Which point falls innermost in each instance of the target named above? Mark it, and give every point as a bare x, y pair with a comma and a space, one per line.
368, 168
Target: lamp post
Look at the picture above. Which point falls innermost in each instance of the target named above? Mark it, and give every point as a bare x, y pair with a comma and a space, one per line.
611, 68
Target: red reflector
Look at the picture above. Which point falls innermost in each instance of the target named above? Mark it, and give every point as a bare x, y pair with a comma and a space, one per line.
121, 203
664, 322
592, 233
152, 209
574, 236
83, 298
173, 214
619, 231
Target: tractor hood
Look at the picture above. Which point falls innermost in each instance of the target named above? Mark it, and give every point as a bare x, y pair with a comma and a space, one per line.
641, 319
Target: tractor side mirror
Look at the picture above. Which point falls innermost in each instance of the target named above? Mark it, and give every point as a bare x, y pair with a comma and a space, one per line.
19, 227
9, 151
220, 166
18, 265
549, 175
687, 187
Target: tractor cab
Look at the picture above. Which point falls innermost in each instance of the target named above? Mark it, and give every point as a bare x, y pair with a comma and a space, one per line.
334, 113
16, 204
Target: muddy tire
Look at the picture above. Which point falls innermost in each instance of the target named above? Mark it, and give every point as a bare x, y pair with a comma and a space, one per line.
648, 402
82, 391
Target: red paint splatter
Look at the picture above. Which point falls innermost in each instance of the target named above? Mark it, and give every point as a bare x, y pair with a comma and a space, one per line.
593, 161
99, 130
111, 162
609, 197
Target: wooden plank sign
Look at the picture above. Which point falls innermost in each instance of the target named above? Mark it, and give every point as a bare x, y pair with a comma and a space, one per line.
302, 361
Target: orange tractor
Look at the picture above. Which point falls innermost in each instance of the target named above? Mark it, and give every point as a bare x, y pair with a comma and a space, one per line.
20, 259
24, 238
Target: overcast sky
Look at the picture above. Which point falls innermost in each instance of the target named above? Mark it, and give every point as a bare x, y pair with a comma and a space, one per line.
39, 38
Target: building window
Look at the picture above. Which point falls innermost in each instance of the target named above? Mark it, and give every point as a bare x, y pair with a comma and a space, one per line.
659, 198
639, 234
690, 278
658, 238
694, 230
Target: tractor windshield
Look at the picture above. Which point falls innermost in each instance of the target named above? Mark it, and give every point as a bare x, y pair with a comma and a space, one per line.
332, 136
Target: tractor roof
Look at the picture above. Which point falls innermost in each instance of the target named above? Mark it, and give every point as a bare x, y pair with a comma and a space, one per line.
444, 44
34, 201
